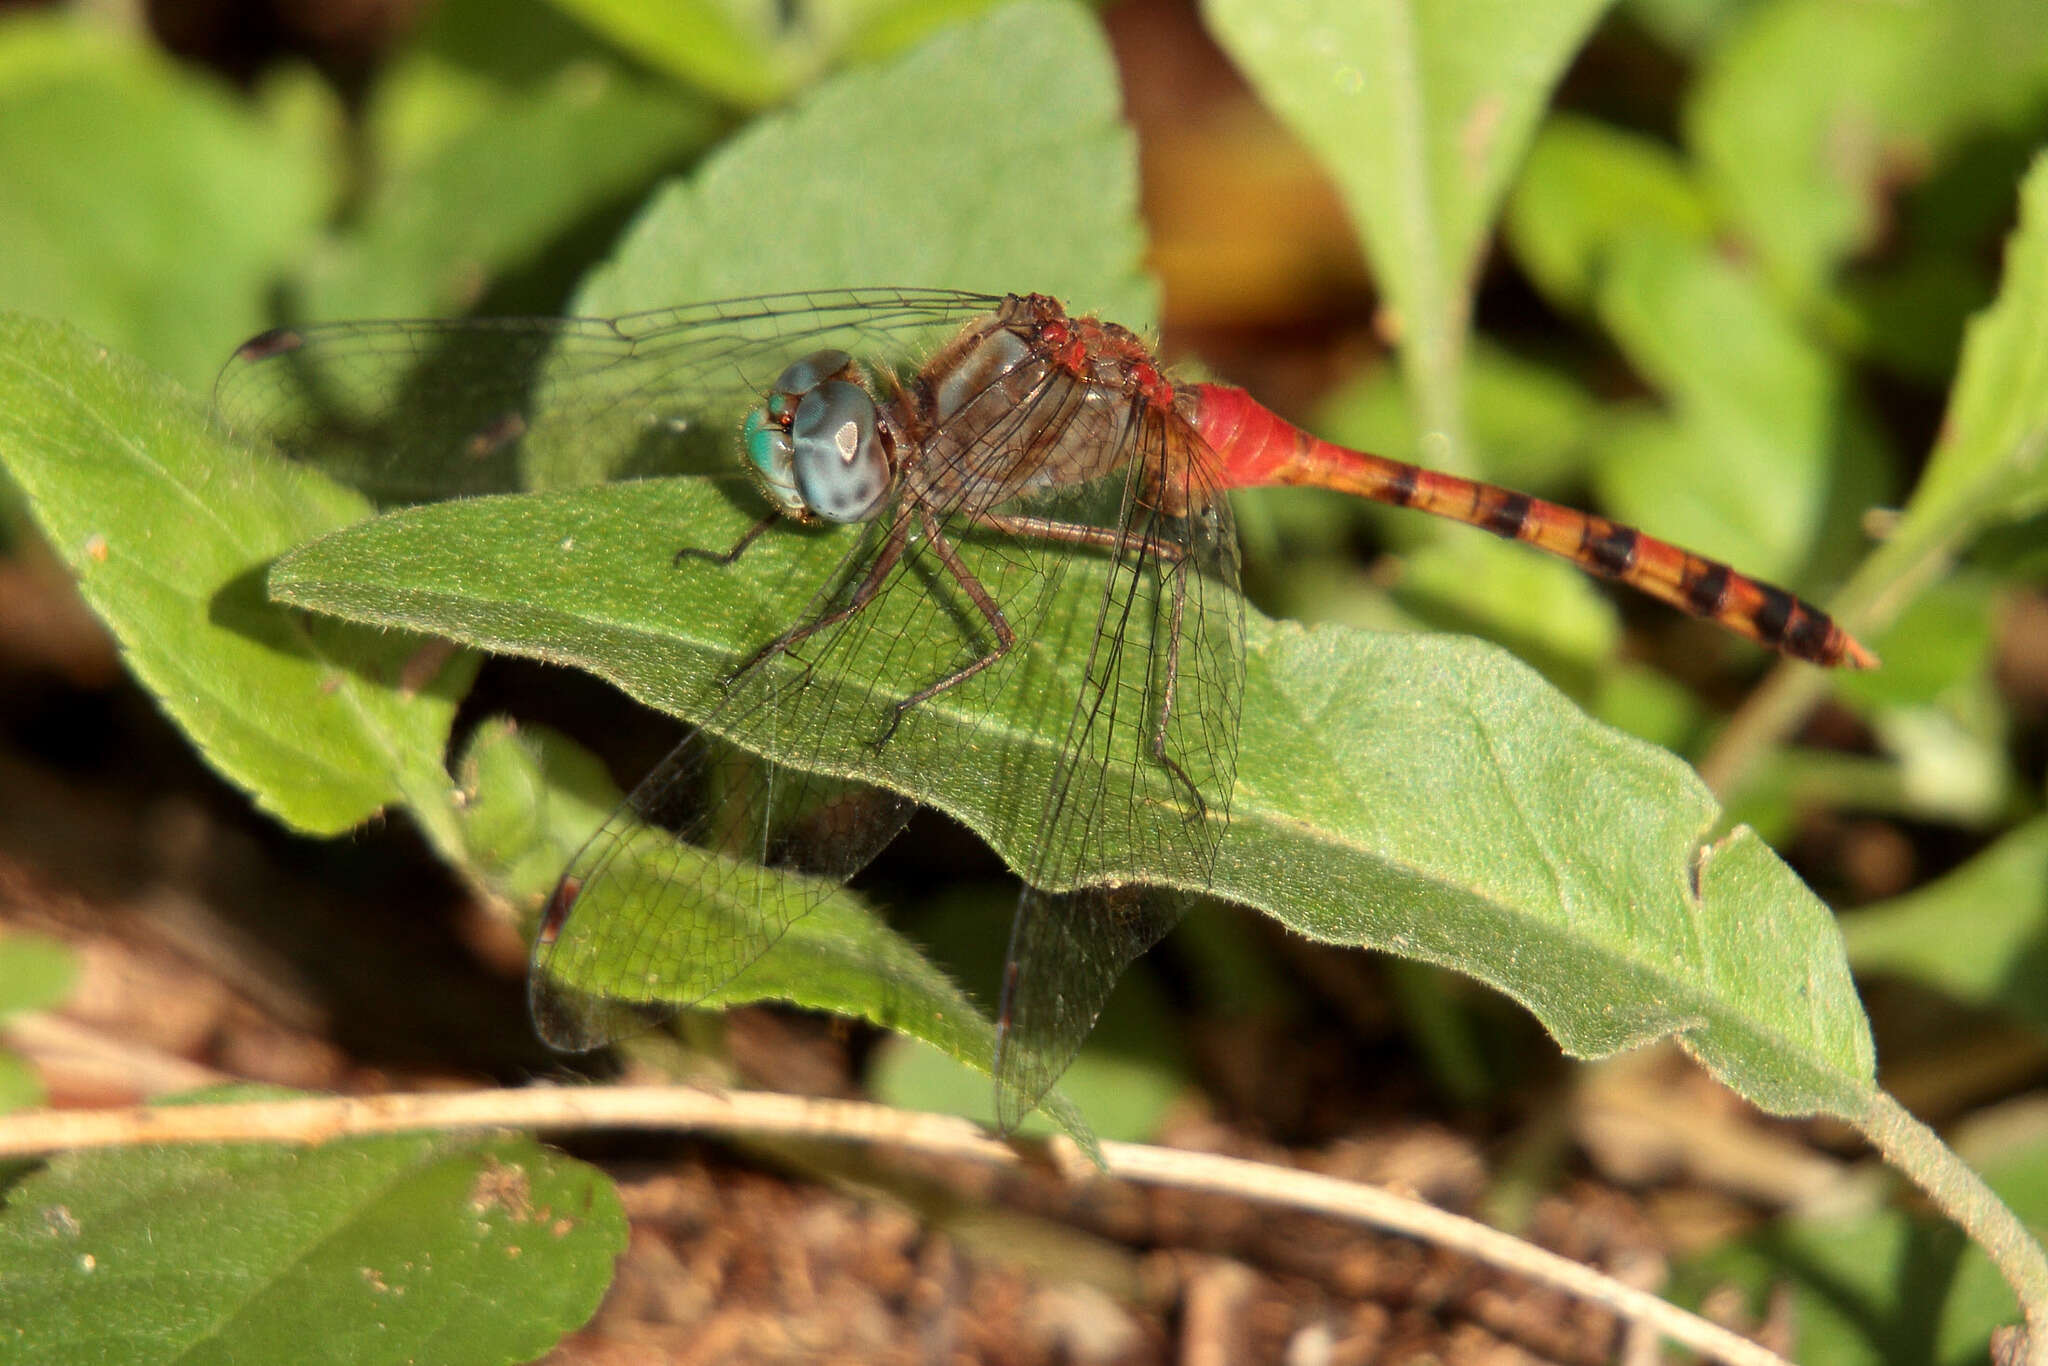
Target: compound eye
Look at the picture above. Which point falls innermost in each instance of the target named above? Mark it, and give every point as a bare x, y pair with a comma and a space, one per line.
802, 376
841, 470
771, 458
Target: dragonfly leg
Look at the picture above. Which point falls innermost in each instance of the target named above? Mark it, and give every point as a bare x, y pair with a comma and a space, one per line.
878, 573
739, 547
1172, 553
1200, 808
1080, 533
983, 602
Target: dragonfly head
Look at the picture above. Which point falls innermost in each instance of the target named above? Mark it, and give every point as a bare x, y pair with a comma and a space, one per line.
814, 445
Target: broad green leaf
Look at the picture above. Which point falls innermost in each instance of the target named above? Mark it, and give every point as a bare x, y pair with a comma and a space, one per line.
1742, 469
418, 1248
753, 53
1505, 592
1799, 152
169, 527
1123, 1081
1989, 461
36, 972
142, 200
1942, 643
1424, 795
1987, 466
1879, 1288
1421, 113
21, 1088
1978, 934
1532, 427
527, 168
1588, 187
1431, 797
1530, 422
1686, 26
530, 800
1007, 167
734, 49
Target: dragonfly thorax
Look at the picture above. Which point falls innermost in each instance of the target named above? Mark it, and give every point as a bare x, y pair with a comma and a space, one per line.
813, 446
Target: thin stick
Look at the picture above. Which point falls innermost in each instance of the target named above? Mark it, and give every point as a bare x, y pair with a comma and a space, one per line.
686, 1108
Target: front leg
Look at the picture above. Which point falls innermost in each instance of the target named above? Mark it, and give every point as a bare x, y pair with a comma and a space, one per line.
991, 612
739, 547
878, 573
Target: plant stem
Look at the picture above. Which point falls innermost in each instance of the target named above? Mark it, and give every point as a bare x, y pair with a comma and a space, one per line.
1918, 1152
1435, 310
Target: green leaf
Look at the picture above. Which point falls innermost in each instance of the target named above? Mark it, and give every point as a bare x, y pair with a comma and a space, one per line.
732, 51
531, 798
525, 168
1587, 188
1888, 1286
1978, 934
36, 972
1530, 422
1124, 1081
417, 1248
169, 527
1007, 167
752, 53
1431, 797
1799, 153
1989, 461
140, 199
1987, 466
1424, 795
1501, 591
1686, 26
1421, 112
1742, 469
21, 1087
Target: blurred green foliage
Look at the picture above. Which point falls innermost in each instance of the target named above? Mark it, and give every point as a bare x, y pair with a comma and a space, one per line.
1752, 299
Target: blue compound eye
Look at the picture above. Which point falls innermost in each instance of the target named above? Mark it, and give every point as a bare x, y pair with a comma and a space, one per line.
813, 370
771, 460
841, 471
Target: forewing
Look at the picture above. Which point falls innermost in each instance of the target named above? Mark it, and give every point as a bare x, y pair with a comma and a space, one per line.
668, 903
1141, 786
697, 875
751, 821
413, 410
711, 858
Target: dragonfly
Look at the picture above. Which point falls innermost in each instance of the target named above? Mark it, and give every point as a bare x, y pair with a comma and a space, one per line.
1036, 520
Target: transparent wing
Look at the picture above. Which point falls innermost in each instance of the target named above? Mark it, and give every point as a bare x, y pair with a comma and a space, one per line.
707, 864
710, 859
689, 882
669, 901
411, 410
1141, 787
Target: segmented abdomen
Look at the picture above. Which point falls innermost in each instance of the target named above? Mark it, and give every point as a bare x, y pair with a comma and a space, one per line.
1256, 448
